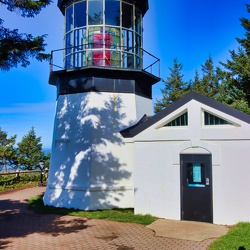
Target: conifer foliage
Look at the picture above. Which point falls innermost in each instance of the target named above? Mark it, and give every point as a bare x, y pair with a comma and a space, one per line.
24, 155
229, 84
174, 88
8, 156
238, 66
17, 48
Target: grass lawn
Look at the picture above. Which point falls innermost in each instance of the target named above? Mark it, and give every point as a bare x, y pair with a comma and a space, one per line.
121, 215
238, 238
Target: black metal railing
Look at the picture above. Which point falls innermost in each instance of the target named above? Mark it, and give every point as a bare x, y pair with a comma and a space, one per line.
109, 57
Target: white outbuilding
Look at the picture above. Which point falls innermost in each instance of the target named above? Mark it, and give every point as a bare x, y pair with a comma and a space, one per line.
191, 162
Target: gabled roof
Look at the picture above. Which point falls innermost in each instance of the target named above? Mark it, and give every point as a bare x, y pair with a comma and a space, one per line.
146, 123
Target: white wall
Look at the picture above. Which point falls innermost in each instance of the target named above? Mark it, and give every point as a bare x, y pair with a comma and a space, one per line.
91, 166
157, 180
231, 185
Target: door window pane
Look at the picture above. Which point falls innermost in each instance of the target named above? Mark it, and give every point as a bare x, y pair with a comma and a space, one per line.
196, 174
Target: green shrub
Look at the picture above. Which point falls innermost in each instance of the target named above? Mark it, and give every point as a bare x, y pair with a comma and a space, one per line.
29, 177
6, 180
14, 181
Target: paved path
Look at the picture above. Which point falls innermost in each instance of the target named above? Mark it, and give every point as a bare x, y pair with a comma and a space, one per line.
24, 229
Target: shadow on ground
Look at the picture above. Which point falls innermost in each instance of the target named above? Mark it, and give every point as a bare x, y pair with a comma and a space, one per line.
23, 229
17, 221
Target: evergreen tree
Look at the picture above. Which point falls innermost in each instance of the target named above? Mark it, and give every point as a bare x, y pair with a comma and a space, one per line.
230, 94
238, 70
8, 155
216, 84
238, 75
174, 87
223, 87
245, 42
30, 151
16, 48
209, 83
196, 84
46, 160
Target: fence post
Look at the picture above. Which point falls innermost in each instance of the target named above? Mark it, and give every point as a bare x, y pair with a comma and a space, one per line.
17, 175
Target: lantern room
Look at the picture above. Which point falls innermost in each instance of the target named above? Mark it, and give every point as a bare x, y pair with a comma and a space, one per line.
103, 33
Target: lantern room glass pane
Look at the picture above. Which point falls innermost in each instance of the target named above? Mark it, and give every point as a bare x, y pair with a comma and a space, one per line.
80, 38
114, 36
127, 16
80, 14
112, 45
112, 12
69, 42
138, 21
130, 41
138, 44
95, 12
69, 18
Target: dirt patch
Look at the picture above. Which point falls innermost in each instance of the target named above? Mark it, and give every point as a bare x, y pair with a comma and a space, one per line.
10, 191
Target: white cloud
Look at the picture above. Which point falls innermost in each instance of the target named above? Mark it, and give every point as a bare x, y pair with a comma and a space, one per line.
24, 108
18, 118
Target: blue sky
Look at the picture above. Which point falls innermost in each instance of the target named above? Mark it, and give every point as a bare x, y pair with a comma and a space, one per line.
187, 30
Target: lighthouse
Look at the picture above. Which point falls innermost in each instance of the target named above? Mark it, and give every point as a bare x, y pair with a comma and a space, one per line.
104, 79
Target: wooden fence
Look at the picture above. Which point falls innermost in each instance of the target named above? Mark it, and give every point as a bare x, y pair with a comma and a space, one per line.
23, 176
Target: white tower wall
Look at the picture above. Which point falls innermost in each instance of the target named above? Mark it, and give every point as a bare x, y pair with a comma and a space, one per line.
91, 166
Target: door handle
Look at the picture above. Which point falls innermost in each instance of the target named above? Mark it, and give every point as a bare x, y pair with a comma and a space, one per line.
207, 181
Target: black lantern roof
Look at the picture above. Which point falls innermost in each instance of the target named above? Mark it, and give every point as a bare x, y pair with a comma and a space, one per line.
141, 4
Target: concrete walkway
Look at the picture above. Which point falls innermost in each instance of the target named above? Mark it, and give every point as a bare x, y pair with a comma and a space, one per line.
24, 229
187, 230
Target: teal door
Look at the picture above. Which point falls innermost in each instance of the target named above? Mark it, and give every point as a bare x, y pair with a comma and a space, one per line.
196, 187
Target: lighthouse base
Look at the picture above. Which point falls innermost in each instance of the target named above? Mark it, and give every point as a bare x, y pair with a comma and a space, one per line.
91, 166
92, 199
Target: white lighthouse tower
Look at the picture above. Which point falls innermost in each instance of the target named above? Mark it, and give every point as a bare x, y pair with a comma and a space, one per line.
102, 88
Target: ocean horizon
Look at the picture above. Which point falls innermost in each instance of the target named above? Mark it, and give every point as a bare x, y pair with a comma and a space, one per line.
47, 150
